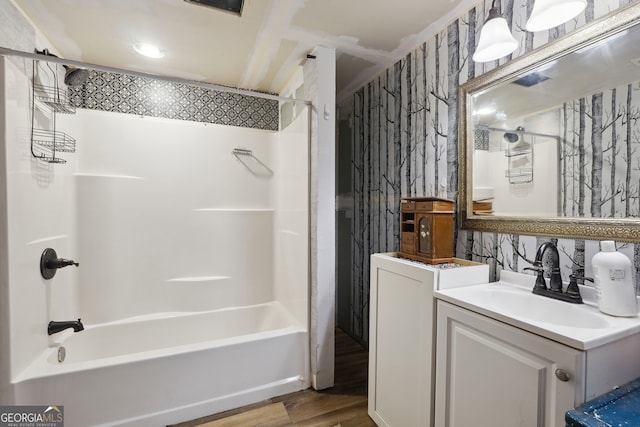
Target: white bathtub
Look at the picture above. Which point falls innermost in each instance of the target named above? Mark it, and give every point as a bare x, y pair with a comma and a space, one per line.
168, 368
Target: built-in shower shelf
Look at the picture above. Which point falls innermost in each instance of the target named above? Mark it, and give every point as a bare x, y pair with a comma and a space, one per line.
233, 210
47, 239
107, 176
198, 279
290, 232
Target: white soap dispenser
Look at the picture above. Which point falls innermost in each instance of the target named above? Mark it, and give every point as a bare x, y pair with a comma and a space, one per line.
614, 281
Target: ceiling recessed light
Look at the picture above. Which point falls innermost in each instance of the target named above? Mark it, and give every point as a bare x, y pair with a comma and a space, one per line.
148, 50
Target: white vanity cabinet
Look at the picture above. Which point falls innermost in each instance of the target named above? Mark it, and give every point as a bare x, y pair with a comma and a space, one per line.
493, 374
402, 336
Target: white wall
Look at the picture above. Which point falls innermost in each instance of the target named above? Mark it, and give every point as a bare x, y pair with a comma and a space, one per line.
291, 232
319, 86
164, 208
5, 317
314, 81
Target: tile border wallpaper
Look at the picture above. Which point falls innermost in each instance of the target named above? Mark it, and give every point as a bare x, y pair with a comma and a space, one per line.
144, 96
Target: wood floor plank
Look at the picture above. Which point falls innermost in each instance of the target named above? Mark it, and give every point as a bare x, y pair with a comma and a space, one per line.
350, 416
351, 373
323, 404
203, 420
273, 415
298, 398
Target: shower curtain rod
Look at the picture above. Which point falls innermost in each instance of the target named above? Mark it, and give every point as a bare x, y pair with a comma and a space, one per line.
39, 57
519, 131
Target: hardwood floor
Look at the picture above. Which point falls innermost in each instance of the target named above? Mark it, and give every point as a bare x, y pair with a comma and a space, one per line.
343, 405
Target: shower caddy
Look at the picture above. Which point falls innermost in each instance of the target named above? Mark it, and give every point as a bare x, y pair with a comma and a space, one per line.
519, 162
47, 143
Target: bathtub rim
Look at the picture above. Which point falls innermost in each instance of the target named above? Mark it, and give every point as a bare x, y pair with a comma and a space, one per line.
45, 364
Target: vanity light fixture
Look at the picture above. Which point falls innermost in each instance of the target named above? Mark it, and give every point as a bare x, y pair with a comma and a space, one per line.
551, 13
496, 39
148, 50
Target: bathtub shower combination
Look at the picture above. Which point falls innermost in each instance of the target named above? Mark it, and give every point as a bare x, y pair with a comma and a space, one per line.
169, 367
192, 285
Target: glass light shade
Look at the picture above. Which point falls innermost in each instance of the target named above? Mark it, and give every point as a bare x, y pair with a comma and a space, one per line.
495, 41
551, 13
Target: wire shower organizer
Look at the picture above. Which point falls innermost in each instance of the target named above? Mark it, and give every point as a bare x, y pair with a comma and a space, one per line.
47, 143
520, 160
57, 100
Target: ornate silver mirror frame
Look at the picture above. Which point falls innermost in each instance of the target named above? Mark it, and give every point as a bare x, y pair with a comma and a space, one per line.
626, 229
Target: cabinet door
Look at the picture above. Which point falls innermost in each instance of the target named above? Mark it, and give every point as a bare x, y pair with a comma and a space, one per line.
401, 343
424, 236
489, 373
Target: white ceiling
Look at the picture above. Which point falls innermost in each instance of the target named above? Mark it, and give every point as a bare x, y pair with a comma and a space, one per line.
258, 51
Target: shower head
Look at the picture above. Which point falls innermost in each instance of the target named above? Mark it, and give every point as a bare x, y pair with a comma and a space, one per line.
512, 137
75, 76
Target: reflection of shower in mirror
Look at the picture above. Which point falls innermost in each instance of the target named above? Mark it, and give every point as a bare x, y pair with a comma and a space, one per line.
513, 137
520, 165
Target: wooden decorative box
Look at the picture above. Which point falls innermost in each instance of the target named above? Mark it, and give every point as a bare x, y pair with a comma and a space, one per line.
426, 229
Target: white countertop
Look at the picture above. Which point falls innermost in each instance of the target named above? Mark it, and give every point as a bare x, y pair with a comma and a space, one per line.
581, 326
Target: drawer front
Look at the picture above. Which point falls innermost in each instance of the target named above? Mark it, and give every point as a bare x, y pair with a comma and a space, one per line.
444, 207
408, 206
424, 206
407, 243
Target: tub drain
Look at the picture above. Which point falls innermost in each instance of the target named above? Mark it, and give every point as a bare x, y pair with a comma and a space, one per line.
62, 353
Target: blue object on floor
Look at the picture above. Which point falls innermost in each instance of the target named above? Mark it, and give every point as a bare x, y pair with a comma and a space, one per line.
618, 408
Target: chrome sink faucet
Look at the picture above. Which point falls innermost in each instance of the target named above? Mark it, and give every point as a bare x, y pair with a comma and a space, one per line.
555, 283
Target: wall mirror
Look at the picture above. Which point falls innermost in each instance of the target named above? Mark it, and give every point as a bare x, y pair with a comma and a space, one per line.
550, 142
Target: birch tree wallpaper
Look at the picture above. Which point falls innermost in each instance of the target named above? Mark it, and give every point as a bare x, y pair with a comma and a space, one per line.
402, 132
